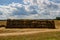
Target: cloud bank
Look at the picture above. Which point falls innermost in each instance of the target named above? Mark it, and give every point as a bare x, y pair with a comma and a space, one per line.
30, 9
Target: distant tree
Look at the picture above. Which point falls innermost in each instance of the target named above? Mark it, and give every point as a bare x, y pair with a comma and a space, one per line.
58, 18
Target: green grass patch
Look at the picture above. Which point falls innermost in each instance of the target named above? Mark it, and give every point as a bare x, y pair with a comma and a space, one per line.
38, 36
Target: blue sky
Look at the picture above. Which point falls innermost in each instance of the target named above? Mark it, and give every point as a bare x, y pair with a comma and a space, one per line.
5, 2
29, 9
56, 1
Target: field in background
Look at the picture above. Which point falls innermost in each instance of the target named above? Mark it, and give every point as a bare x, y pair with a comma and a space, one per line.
3, 22
57, 24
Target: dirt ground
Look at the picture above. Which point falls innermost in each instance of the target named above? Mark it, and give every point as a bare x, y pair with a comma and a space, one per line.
13, 32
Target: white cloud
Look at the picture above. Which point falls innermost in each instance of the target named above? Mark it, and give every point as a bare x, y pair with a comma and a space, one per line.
31, 9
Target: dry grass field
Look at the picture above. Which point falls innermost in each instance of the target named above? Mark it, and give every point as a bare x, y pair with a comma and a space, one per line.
43, 34
29, 34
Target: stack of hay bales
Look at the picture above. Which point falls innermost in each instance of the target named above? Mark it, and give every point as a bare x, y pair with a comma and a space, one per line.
30, 24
